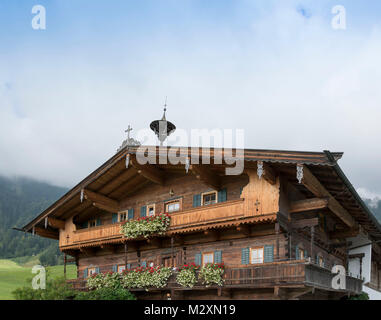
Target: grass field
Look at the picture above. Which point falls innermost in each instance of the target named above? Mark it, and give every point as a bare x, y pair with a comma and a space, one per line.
14, 275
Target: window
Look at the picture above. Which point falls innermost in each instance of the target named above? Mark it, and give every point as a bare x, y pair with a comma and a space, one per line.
150, 264
121, 268
122, 216
209, 198
207, 258
256, 255
321, 261
172, 206
151, 210
92, 223
301, 254
91, 271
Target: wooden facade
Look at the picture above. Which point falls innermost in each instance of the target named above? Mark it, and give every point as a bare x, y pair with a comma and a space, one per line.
295, 206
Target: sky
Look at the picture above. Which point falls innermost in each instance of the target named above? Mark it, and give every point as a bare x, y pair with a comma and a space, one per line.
276, 69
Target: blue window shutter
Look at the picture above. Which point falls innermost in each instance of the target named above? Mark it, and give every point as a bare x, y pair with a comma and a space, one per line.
144, 264
114, 268
97, 270
85, 273
130, 214
143, 211
245, 257
222, 195
197, 200
218, 256
268, 254
197, 259
128, 265
98, 223
297, 257
317, 259
305, 254
85, 224
114, 218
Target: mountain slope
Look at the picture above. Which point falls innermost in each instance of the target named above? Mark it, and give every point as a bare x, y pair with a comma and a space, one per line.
21, 200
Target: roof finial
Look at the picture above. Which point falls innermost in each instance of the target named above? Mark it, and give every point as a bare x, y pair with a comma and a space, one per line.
165, 108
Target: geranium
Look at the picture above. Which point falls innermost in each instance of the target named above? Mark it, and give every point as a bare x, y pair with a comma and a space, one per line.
146, 277
187, 275
146, 226
104, 280
212, 273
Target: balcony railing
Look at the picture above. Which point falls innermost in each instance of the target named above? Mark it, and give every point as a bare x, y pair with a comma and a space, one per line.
282, 274
192, 218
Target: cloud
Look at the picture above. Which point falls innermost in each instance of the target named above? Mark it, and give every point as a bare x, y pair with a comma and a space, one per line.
290, 82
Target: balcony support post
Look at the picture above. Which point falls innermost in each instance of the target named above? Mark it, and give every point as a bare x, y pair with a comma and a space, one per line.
277, 241
125, 255
172, 242
65, 259
312, 242
184, 255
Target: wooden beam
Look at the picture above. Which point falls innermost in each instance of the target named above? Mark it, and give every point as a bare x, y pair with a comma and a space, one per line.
148, 171
101, 201
244, 229
56, 223
269, 174
156, 242
308, 205
298, 224
314, 185
46, 233
349, 233
206, 176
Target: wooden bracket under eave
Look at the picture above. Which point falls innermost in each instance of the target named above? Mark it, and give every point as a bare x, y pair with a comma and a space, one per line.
101, 201
207, 176
56, 223
148, 171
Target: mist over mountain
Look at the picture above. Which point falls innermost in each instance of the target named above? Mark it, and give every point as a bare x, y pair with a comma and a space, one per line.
22, 199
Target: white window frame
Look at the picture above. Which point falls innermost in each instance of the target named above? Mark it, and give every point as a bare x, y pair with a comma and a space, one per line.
94, 221
209, 254
122, 213
166, 204
259, 260
121, 268
206, 194
91, 271
154, 210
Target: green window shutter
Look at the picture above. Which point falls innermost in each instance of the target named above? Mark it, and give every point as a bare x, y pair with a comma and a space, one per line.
98, 223
317, 259
222, 195
197, 200
197, 259
268, 254
218, 256
85, 225
85, 273
144, 264
143, 211
130, 214
128, 265
97, 270
305, 254
240, 191
297, 257
245, 257
114, 218
115, 268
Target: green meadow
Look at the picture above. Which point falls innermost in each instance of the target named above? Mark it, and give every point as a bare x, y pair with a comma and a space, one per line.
18, 273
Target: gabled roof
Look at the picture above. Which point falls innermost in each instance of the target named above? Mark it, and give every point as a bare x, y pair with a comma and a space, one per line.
113, 180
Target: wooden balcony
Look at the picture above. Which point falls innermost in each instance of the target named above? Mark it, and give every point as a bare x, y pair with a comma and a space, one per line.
226, 213
286, 274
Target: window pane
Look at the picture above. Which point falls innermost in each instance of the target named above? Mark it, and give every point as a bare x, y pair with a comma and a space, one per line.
121, 268
256, 256
207, 258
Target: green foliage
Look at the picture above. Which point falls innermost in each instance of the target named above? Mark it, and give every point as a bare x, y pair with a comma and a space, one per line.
21, 200
362, 296
146, 226
212, 274
187, 275
105, 294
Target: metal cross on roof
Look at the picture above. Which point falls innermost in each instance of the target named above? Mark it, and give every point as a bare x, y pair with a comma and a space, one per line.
129, 129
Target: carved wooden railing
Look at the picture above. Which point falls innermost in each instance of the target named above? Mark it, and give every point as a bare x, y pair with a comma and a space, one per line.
286, 273
220, 212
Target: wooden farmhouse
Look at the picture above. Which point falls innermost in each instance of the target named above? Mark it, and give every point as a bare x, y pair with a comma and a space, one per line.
279, 227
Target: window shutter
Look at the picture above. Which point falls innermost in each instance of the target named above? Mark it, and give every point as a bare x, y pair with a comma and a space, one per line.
197, 200
297, 257
317, 259
128, 265
144, 264
245, 256
130, 214
240, 190
222, 195
114, 218
85, 273
115, 268
268, 254
197, 259
143, 211
97, 270
98, 223
305, 254
85, 224
218, 256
